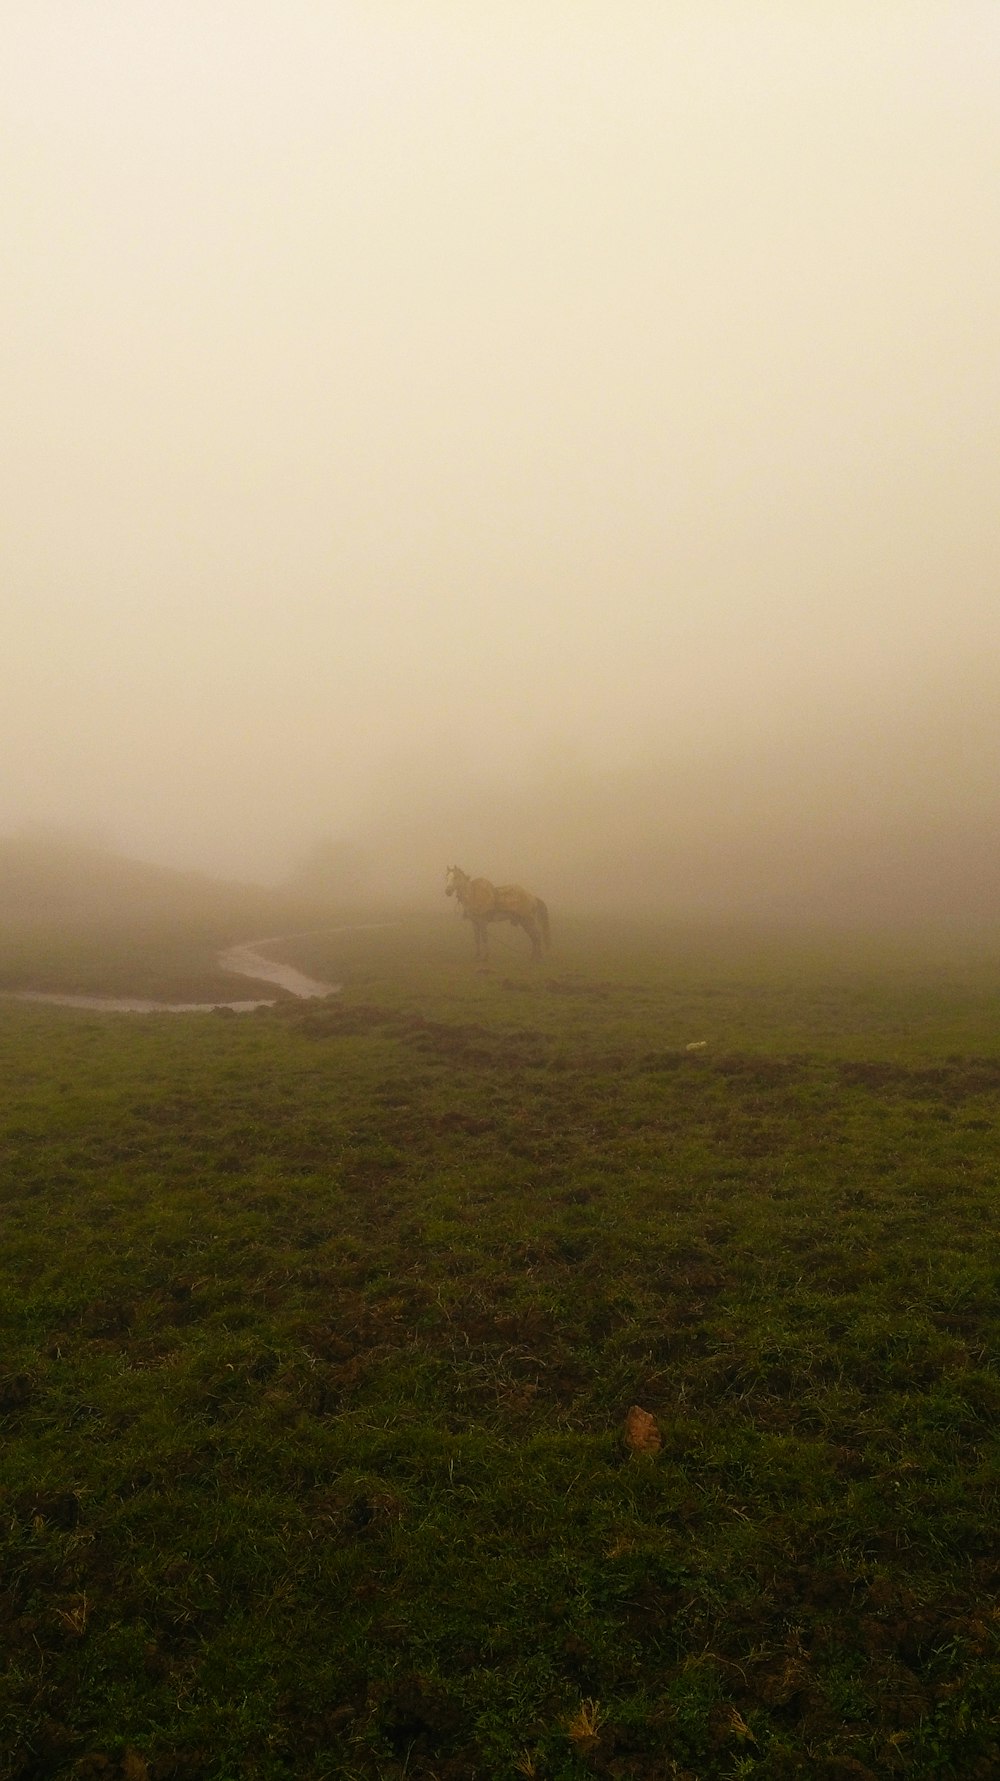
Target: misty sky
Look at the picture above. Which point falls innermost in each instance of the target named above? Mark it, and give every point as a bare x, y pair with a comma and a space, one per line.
423, 401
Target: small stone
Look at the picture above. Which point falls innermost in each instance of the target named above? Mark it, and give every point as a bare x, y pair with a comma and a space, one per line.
641, 1432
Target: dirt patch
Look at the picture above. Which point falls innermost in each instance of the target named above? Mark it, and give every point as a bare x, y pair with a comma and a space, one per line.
955, 1080
332, 1020
456, 1121
765, 1072
571, 986
468, 1041
16, 1393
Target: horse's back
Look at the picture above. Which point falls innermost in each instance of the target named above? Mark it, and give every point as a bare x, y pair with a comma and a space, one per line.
485, 901
482, 896
514, 899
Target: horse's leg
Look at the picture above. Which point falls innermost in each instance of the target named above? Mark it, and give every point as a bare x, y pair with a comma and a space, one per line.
530, 927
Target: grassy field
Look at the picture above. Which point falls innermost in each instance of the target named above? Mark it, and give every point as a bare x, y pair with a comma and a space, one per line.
320, 1327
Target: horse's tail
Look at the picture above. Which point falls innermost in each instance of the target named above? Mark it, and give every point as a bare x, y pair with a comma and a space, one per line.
541, 910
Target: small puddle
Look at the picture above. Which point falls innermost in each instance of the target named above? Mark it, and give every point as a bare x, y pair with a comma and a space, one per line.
236, 961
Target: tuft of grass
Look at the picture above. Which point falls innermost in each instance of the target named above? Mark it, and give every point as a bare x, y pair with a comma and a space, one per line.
585, 1723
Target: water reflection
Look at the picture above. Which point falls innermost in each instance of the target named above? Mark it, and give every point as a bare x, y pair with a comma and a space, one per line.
246, 961
132, 1004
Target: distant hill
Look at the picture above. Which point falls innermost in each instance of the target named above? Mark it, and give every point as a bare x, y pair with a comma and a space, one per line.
81, 919
46, 881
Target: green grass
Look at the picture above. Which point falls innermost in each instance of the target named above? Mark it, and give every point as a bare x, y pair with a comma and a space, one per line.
320, 1326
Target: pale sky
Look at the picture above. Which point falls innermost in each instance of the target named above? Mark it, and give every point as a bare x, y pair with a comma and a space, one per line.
470, 397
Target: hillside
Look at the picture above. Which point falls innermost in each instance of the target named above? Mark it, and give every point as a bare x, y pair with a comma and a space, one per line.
88, 920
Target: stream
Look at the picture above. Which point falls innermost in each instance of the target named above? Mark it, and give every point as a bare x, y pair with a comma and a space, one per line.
244, 960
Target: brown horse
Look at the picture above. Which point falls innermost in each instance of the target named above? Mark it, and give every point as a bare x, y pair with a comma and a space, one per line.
483, 902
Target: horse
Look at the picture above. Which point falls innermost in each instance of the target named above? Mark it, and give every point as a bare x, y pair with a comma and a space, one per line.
483, 902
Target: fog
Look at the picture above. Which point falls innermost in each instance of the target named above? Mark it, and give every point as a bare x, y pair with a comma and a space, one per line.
557, 437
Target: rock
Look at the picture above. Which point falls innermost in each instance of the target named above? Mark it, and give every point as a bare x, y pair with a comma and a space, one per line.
641, 1432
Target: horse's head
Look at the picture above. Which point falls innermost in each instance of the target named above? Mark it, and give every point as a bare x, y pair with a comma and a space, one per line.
454, 879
